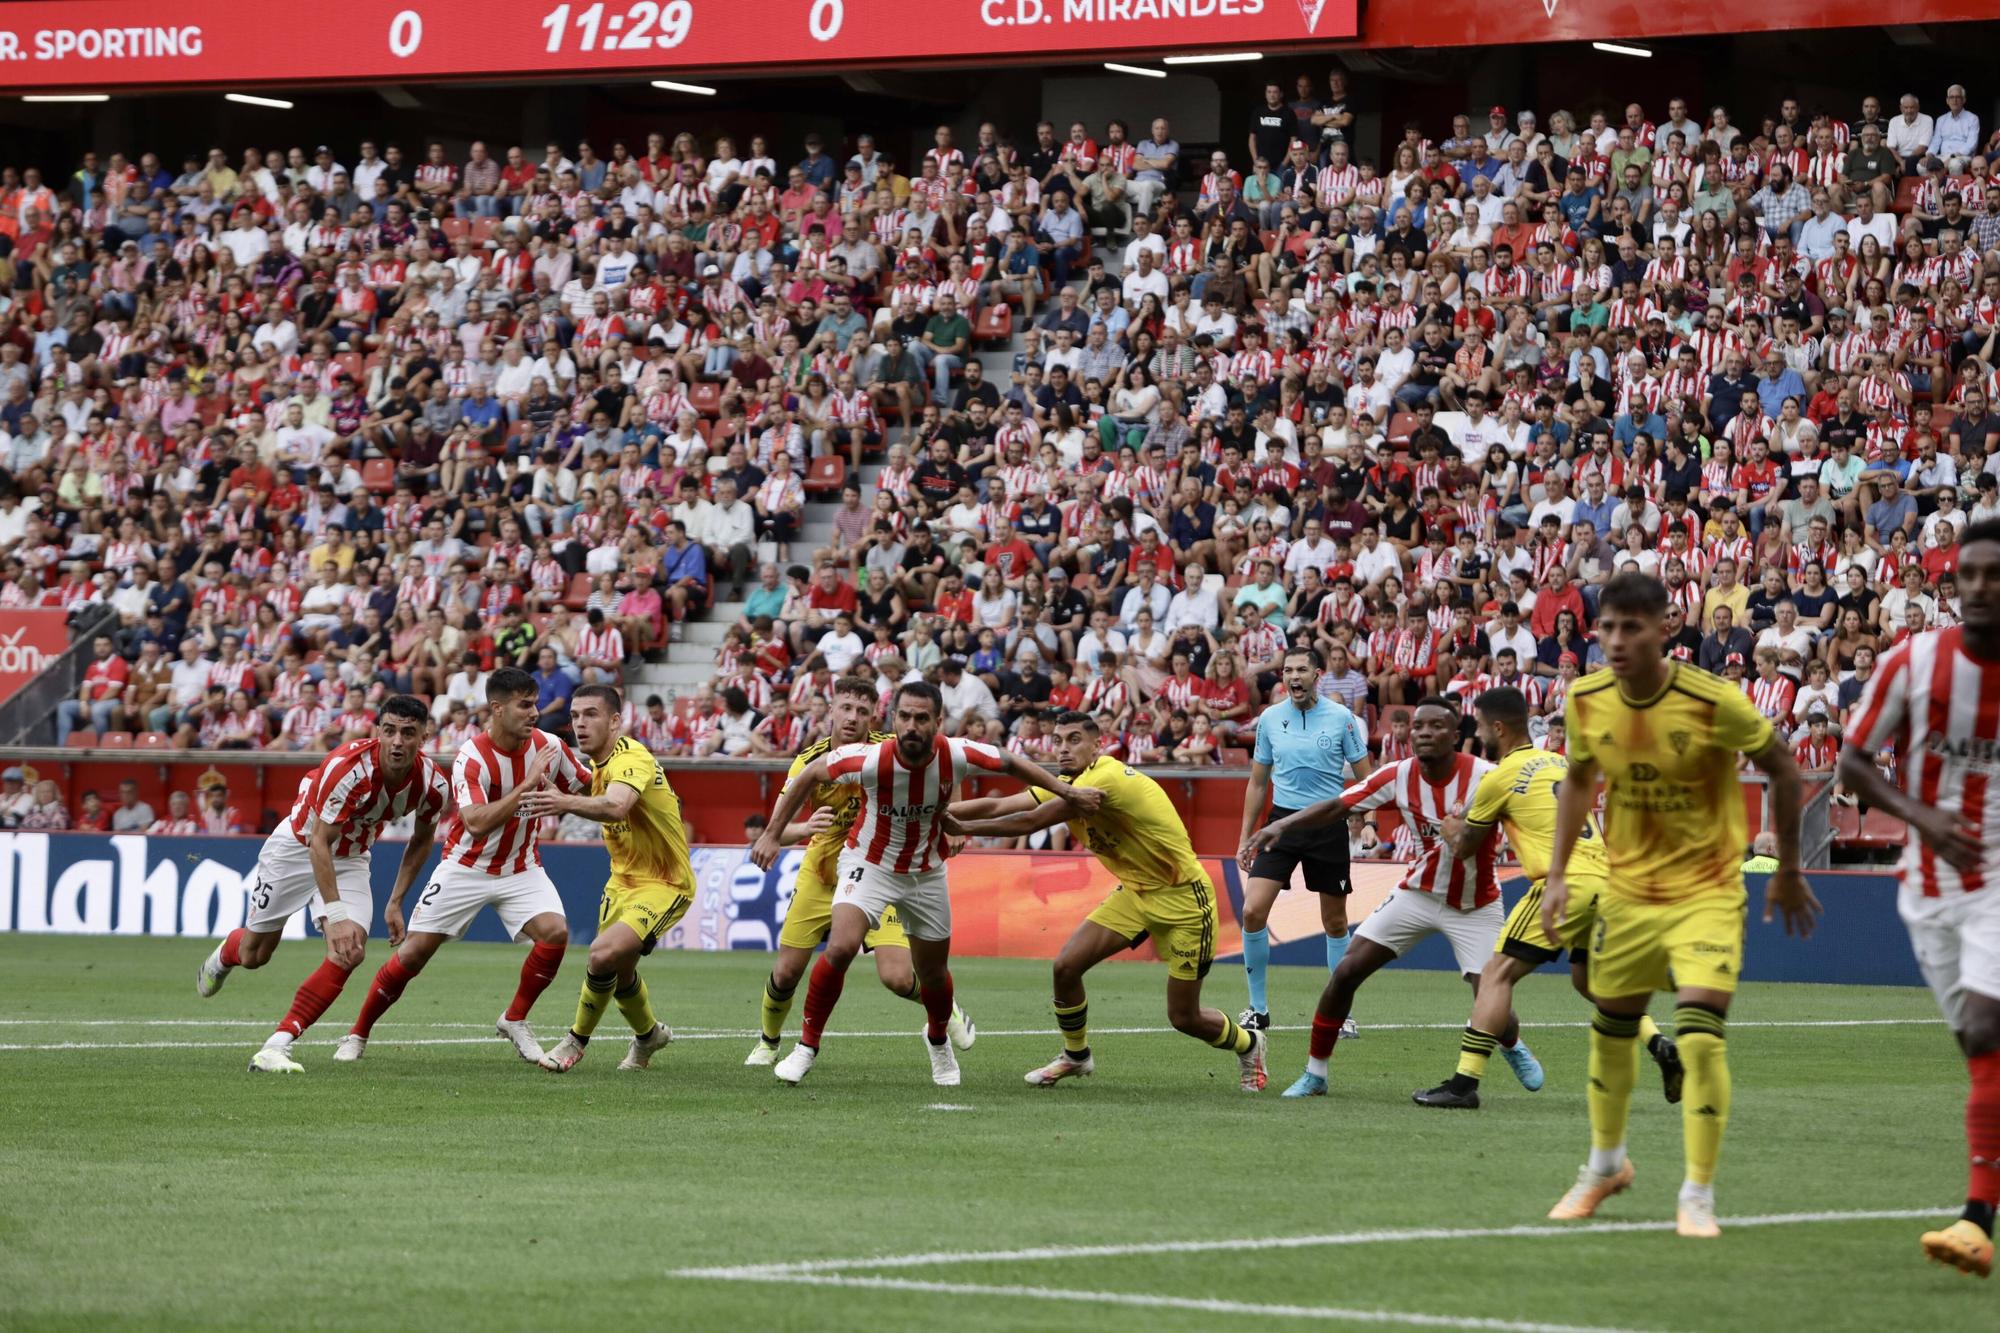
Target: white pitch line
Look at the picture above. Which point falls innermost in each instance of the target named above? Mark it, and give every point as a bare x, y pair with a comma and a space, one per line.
775, 1272
698, 1033
1068, 1296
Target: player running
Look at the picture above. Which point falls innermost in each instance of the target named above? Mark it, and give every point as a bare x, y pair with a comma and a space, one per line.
1458, 898
651, 883
1935, 698
492, 858
895, 856
1664, 738
810, 913
1304, 745
319, 858
1162, 893
1519, 795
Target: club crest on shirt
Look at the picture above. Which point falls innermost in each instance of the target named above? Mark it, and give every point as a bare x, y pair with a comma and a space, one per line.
1679, 740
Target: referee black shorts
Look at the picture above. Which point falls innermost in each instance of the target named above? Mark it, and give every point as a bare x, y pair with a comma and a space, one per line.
1322, 852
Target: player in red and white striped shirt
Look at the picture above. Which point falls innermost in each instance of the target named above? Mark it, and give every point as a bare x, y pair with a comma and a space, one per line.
1935, 697
895, 856
1440, 894
319, 858
492, 857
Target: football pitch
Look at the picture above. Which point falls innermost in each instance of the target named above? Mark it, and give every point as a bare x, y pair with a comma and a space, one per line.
151, 1183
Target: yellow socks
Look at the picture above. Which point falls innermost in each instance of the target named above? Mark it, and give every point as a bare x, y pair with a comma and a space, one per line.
1475, 1048
1232, 1037
1074, 1020
1614, 1068
590, 1004
637, 1006
777, 1004
1705, 1105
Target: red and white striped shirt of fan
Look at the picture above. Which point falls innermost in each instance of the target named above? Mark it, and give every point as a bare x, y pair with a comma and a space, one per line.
482, 773
1463, 884
350, 792
900, 827
1939, 707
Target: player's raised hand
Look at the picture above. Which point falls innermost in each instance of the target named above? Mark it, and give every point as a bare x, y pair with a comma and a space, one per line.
392, 919
538, 767
822, 820
1947, 835
1787, 892
765, 851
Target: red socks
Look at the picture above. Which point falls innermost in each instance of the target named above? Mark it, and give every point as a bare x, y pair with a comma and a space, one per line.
822, 993
937, 1007
1326, 1031
1982, 1127
536, 973
321, 989
230, 943
384, 991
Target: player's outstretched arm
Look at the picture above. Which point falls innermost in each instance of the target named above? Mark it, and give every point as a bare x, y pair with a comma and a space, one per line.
1786, 892
1006, 816
1315, 815
802, 830
614, 805
1082, 800
764, 852
415, 853
1942, 831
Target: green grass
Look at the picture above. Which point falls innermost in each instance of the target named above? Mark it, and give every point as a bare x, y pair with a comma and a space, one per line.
451, 1186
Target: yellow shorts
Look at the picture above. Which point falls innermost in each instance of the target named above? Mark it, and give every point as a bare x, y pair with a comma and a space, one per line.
1523, 936
810, 917
650, 908
1643, 947
1180, 920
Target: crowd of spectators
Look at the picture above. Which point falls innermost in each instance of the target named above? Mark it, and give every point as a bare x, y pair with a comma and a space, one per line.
316, 428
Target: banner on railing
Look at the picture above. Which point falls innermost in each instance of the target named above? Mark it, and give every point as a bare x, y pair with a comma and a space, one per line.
1004, 904
29, 645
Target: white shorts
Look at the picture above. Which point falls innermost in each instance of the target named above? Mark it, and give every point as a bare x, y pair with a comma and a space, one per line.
1407, 918
283, 882
454, 895
922, 902
1957, 942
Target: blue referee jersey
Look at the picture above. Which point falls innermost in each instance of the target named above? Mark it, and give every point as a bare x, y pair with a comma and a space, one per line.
1308, 752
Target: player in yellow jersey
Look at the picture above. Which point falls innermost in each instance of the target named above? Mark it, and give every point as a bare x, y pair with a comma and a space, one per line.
1162, 893
1519, 795
651, 884
1663, 738
810, 915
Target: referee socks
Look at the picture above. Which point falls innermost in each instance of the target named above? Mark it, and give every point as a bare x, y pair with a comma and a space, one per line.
1336, 949
1256, 961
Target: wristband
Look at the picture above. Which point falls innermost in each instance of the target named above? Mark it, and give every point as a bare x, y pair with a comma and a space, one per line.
331, 912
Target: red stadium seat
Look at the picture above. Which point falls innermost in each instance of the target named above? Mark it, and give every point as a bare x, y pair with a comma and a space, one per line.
116, 740
454, 228
351, 365
578, 591
155, 740
1232, 756
485, 229
1400, 426
706, 398
1906, 195
994, 324
824, 475
81, 740
379, 475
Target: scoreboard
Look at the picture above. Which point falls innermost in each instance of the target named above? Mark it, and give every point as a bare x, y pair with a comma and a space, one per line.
104, 45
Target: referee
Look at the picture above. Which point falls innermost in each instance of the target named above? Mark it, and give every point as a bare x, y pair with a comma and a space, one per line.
1304, 745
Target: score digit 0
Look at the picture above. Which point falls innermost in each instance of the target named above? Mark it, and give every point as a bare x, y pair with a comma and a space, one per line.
406, 34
